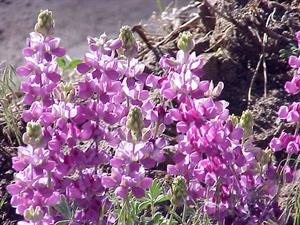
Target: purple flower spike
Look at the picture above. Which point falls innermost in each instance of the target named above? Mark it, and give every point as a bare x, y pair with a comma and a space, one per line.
103, 133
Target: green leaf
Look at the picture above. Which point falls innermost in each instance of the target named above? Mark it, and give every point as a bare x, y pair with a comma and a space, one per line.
61, 61
168, 222
3, 199
176, 216
157, 217
174, 222
144, 205
63, 222
73, 64
155, 189
162, 198
135, 207
63, 208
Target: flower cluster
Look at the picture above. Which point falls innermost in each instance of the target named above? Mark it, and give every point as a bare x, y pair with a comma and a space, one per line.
291, 113
100, 135
286, 141
219, 167
72, 128
40, 61
127, 112
32, 193
53, 165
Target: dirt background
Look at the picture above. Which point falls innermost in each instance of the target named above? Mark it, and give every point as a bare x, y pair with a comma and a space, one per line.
75, 19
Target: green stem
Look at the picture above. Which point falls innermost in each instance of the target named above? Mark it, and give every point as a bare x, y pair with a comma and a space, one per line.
160, 5
171, 217
152, 210
184, 212
196, 217
126, 214
121, 216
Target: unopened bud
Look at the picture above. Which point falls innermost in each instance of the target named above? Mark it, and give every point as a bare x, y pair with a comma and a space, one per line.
45, 23
266, 156
129, 48
127, 37
247, 123
135, 121
34, 130
186, 42
234, 119
33, 214
179, 190
67, 88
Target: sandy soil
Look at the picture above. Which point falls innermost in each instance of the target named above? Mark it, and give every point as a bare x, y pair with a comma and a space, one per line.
75, 19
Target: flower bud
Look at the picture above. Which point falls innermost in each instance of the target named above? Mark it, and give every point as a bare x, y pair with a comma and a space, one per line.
45, 23
186, 42
66, 88
179, 190
247, 123
266, 157
34, 130
135, 121
33, 215
28, 214
127, 37
234, 119
129, 48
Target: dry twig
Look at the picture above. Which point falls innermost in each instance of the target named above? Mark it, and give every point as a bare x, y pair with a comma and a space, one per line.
261, 60
140, 30
171, 36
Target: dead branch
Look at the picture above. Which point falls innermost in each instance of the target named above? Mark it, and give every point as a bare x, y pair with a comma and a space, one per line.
260, 61
174, 34
140, 30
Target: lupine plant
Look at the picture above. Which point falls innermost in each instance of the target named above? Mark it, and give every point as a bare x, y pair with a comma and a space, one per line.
290, 142
91, 143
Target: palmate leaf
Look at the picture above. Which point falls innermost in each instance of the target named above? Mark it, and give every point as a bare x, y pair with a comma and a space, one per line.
157, 193
155, 189
154, 196
158, 217
73, 64
68, 63
143, 205
162, 198
63, 208
61, 61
